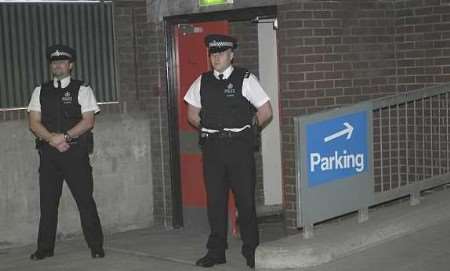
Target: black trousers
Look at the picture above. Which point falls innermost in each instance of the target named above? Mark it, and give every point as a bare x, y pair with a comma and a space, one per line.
74, 167
230, 164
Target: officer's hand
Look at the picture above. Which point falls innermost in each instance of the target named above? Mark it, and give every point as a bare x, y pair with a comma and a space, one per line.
56, 140
64, 146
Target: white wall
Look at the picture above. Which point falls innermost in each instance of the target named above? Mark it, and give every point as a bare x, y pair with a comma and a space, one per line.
271, 147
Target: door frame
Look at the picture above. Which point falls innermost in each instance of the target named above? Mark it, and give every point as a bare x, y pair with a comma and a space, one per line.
169, 25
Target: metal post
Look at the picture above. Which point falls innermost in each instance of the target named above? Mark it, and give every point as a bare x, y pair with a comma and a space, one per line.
423, 139
406, 142
381, 152
414, 198
399, 175
308, 231
389, 147
363, 215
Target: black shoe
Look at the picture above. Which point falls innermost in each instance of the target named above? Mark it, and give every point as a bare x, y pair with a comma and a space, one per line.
97, 253
250, 258
40, 255
208, 261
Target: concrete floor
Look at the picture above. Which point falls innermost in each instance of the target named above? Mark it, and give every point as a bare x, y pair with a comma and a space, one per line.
426, 249
148, 249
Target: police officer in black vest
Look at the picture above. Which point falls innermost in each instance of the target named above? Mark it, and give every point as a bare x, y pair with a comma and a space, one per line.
223, 104
61, 116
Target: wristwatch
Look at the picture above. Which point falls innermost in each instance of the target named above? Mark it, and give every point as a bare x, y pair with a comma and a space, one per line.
67, 137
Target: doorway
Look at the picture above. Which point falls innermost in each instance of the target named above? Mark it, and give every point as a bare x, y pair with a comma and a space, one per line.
193, 60
187, 59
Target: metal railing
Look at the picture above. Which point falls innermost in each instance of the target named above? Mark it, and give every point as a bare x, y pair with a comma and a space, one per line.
408, 150
411, 142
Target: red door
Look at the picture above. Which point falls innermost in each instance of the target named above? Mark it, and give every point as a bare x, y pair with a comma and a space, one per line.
193, 59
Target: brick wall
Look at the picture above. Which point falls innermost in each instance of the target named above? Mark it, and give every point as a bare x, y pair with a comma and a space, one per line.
140, 57
422, 40
331, 54
409, 148
334, 53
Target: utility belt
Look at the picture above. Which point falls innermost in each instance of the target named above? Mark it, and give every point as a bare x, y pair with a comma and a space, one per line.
223, 135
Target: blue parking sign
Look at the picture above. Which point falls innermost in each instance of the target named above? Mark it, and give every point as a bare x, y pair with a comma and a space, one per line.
337, 148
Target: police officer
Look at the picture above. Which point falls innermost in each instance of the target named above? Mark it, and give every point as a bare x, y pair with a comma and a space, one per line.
61, 115
222, 103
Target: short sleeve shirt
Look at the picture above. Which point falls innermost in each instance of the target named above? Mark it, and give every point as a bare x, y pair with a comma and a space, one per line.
251, 90
86, 97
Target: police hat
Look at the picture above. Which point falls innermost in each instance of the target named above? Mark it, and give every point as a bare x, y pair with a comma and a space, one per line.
218, 43
60, 52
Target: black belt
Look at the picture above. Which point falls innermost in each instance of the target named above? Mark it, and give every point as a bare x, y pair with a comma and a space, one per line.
223, 134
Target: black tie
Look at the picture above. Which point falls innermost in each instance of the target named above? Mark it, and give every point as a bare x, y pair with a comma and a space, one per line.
220, 76
59, 84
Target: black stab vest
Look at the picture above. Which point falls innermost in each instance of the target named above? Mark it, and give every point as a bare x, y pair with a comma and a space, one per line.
60, 109
223, 105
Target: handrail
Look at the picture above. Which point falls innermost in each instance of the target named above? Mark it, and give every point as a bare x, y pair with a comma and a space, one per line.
409, 96
408, 150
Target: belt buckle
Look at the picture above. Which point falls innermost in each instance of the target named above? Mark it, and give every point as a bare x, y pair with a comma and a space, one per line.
204, 134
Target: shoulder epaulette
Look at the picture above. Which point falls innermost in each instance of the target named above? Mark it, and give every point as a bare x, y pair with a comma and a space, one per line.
82, 83
247, 74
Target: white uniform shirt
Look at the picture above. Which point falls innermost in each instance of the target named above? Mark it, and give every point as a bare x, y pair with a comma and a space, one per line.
86, 97
251, 90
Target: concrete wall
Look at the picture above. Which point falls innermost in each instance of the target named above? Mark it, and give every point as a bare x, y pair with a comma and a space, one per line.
123, 185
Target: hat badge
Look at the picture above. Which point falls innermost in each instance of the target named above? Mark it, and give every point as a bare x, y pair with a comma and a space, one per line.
57, 53
216, 43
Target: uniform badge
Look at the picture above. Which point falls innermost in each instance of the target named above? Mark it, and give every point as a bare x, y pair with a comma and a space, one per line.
67, 98
230, 91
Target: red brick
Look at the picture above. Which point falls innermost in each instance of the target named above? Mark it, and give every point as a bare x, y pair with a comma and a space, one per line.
300, 67
325, 101
301, 85
315, 93
313, 58
314, 76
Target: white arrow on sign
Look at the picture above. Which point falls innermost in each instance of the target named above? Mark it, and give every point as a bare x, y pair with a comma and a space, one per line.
348, 130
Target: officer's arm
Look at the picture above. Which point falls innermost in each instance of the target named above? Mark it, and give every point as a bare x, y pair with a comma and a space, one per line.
264, 114
35, 124
193, 115
85, 124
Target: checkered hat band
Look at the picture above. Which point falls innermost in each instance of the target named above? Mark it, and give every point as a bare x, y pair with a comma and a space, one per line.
221, 44
58, 53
